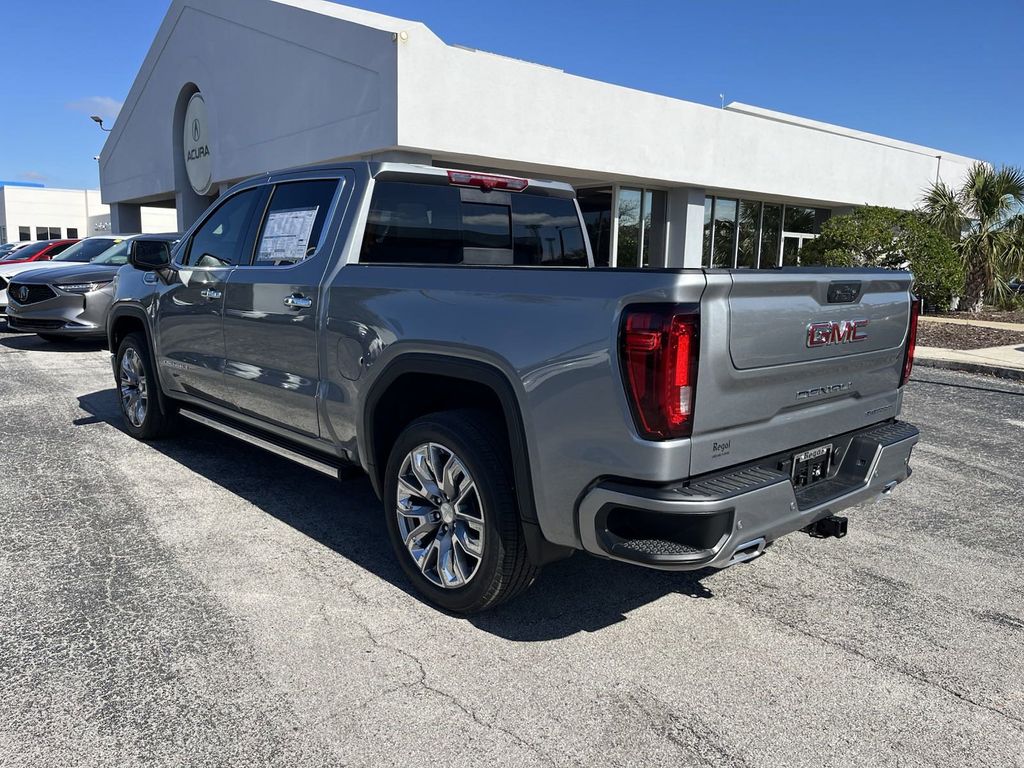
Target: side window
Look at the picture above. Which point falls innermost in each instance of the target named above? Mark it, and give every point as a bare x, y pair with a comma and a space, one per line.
547, 232
218, 242
413, 224
294, 222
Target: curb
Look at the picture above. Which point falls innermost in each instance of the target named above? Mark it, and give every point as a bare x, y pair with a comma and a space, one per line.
997, 325
1013, 374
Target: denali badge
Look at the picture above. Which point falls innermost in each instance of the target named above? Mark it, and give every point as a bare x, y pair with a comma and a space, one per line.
836, 332
827, 389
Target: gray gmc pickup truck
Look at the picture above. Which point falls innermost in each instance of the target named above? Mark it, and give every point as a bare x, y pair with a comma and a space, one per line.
447, 332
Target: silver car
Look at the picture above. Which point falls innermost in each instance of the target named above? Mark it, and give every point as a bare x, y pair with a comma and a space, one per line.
72, 301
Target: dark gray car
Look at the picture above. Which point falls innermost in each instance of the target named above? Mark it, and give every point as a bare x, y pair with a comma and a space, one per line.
72, 301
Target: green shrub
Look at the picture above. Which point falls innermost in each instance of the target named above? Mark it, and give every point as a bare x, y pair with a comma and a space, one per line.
891, 239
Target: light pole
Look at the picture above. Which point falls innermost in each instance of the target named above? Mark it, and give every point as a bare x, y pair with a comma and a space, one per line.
99, 121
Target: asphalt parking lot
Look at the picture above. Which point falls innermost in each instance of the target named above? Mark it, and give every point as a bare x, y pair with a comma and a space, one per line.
200, 602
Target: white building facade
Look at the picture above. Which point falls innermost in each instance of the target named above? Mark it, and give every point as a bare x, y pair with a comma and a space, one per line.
45, 213
230, 90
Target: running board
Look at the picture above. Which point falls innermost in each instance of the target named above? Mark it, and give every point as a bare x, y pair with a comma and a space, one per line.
266, 443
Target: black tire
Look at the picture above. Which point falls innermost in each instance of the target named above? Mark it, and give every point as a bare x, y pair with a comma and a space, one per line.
157, 421
504, 568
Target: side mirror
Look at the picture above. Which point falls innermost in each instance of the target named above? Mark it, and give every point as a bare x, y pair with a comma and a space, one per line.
149, 255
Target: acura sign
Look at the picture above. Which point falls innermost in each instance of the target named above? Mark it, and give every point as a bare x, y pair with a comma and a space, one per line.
198, 163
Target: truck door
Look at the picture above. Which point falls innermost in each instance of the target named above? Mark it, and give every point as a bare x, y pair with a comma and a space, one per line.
189, 330
271, 305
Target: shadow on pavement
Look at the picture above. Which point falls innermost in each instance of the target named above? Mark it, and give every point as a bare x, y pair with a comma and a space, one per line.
30, 342
581, 594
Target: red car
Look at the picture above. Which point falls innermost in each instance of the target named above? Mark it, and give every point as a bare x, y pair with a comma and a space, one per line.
44, 250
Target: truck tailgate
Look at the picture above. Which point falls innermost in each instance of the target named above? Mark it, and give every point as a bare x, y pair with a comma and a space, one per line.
793, 357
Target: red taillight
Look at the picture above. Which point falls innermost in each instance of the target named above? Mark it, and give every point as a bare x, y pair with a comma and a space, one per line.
908, 356
487, 181
659, 349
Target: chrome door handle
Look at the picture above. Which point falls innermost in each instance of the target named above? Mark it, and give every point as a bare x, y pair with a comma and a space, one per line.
210, 293
297, 301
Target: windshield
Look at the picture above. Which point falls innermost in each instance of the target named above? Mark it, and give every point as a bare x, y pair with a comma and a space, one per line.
116, 256
6, 248
25, 253
87, 250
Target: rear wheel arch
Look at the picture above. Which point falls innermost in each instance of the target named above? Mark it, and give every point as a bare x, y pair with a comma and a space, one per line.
439, 383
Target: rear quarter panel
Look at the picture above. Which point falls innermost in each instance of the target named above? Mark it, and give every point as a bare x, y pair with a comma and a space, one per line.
551, 332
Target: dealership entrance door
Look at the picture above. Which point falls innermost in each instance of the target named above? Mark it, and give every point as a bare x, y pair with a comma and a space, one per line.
626, 225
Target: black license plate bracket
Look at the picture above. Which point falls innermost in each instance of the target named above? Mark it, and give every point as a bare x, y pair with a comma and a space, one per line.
812, 466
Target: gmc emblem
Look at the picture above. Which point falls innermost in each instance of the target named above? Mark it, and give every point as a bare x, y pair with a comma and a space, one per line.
836, 332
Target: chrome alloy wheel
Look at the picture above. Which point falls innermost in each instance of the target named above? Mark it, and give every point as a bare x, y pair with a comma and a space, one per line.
133, 386
440, 515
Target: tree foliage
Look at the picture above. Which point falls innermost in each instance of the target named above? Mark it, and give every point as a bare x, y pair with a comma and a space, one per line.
984, 220
891, 239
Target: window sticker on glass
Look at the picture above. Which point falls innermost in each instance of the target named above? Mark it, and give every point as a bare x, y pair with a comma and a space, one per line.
286, 235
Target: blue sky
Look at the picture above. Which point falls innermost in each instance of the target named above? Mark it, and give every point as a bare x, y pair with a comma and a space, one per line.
936, 73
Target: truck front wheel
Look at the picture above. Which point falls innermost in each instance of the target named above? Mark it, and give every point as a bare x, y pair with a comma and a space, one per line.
138, 390
452, 515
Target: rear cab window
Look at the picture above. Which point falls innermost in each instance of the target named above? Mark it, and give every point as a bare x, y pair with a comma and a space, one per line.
421, 223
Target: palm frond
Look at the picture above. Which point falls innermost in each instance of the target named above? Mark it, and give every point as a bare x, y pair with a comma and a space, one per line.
975, 195
941, 207
1012, 247
1009, 182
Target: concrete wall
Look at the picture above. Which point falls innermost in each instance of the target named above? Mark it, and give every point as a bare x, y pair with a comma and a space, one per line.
63, 208
284, 84
69, 208
486, 107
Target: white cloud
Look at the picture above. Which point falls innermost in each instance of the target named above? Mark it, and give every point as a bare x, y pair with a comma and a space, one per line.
33, 176
104, 106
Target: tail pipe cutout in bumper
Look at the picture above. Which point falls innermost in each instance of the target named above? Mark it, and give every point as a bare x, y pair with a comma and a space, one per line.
730, 517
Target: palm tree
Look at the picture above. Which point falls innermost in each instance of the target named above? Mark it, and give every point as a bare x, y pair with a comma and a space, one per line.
984, 219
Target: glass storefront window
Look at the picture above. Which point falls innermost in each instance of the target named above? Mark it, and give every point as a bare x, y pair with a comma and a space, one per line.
799, 219
790, 251
645, 243
640, 215
596, 206
806, 221
654, 214
747, 234
771, 231
725, 233
629, 228
709, 204
749, 223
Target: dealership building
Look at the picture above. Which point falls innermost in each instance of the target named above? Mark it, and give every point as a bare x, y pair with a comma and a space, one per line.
35, 212
230, 90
